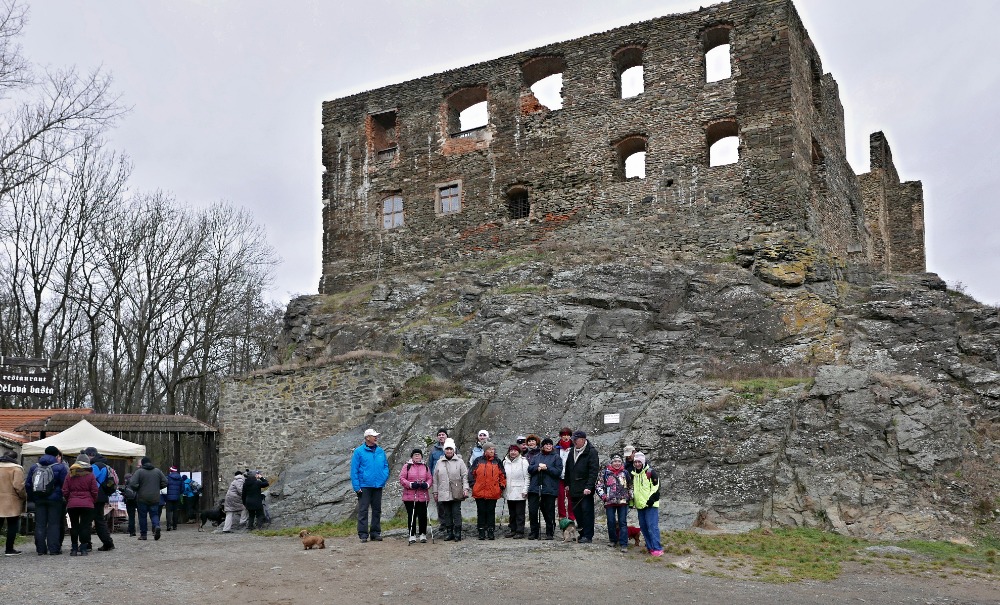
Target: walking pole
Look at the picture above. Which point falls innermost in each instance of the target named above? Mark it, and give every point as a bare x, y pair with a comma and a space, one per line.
413, 523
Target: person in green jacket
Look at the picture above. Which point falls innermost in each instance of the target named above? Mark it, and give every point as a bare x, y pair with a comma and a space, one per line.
646, 500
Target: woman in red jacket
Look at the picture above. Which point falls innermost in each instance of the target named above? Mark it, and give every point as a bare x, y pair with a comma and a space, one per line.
80, 492
488, 481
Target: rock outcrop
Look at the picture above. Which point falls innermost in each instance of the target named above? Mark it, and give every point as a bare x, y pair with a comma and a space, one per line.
867, 409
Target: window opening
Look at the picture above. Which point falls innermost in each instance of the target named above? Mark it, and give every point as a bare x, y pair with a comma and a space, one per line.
629, 74
467, 112
632, 82
449, 198
723, 142
383, 134
548, 91
392, 212
631, 157
518, 204
718, 53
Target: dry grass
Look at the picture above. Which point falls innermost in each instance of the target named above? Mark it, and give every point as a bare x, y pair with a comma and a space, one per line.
423, 389
914, 385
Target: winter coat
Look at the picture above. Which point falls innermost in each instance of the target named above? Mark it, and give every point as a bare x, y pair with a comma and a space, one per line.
436, 454
59, 473
415, 473
581, 473
234, 496
99, 466
487, 479
12, 489
253, 495
614, 488
645, 488
80, 488
564, 450
175, 486
451, 479
545, 482
147, 483
369, 467
517, 478
477, 451
187, 491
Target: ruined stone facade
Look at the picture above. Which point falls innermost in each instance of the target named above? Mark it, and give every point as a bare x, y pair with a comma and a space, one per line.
404, 190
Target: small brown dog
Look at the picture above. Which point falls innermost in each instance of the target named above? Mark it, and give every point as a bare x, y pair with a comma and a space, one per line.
309, 541
569, 533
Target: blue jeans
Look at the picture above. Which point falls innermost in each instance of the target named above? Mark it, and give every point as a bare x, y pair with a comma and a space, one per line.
48, 526
153, 510
617, 524
649, 524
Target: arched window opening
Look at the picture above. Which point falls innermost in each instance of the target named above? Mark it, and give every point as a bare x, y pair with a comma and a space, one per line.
543, 75
518, 203
629, 74
631, 157
718, 57
723, 139
392, 212
467, 112
635, 166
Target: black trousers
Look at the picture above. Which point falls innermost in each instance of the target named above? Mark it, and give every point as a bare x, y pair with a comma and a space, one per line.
420, 508
254, 515
517, 508
101, 526
371, 499
452, 515
173, 507
130, 511
13, 523
79, 528
486, 514
547, 505
584, 509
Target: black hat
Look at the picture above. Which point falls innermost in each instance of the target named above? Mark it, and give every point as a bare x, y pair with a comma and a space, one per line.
145, 460
445, 431
417, 450
91, 451
579, 435
547, 441
53, 451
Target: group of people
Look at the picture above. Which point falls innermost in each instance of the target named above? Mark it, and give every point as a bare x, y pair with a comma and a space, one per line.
536, 478
244, 499
80, 492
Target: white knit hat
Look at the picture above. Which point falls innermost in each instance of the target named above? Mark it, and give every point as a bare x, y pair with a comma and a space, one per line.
449, 443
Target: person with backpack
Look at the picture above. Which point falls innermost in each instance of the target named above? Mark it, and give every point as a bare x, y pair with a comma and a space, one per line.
80, 491
416, 480
44, 487
175, 488
147, 482
107, 484
12, 497
187, 500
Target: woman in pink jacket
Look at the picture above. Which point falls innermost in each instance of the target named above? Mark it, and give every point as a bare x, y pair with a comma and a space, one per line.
80, 492
416, 481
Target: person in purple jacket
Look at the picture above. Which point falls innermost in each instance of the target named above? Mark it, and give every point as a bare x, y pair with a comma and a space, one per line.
416, 481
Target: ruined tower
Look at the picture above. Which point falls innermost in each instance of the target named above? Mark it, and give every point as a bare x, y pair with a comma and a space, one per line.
407, 187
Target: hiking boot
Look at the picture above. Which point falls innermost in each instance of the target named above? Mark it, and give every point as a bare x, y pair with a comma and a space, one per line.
532, 536
84, 552
156, 533
106, 547
73, 552
451, 535
142, 537
458, 533
490, 535
377, 538
482, 534
169, 528
518, 536
547, 537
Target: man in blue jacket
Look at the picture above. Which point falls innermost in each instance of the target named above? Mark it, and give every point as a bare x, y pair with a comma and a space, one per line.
369, 472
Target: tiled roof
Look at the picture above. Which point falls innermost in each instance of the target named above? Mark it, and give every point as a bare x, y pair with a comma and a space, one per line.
11, 419
12, 438
121, 423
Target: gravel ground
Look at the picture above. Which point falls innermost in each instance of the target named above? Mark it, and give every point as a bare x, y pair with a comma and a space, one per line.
187, 566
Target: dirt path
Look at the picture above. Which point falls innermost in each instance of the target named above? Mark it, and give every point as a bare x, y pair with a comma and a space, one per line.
188, 567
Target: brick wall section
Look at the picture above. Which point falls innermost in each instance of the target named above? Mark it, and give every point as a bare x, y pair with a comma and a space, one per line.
263, 419
567, 161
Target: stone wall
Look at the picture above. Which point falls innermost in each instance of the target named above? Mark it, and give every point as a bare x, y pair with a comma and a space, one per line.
264, 419
400, 142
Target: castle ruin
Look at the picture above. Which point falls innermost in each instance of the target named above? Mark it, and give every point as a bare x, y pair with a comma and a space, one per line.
407, 188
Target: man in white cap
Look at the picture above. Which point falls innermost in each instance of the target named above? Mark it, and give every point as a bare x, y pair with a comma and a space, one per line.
369, 472
477, 450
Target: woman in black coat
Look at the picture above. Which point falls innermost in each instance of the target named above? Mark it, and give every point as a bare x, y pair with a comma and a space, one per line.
253, 498
545, 469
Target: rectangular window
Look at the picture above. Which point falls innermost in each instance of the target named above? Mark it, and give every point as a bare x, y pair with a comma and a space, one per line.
392, 212
449, 198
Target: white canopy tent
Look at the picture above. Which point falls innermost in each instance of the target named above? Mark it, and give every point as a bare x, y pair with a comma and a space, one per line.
81, 436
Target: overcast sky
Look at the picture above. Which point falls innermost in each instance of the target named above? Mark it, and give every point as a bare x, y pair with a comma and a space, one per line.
226, 94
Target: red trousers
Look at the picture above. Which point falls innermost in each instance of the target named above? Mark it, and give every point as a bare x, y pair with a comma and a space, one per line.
562, 501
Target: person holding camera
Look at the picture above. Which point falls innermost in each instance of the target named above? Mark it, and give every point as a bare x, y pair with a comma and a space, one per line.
253, 498
416, 481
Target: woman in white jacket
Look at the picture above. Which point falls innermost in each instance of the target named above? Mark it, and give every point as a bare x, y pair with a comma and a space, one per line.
516, 467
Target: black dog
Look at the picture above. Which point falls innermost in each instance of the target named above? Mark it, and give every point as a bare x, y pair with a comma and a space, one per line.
215, 515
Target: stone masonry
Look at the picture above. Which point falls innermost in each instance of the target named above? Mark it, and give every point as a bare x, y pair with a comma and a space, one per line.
405, 189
